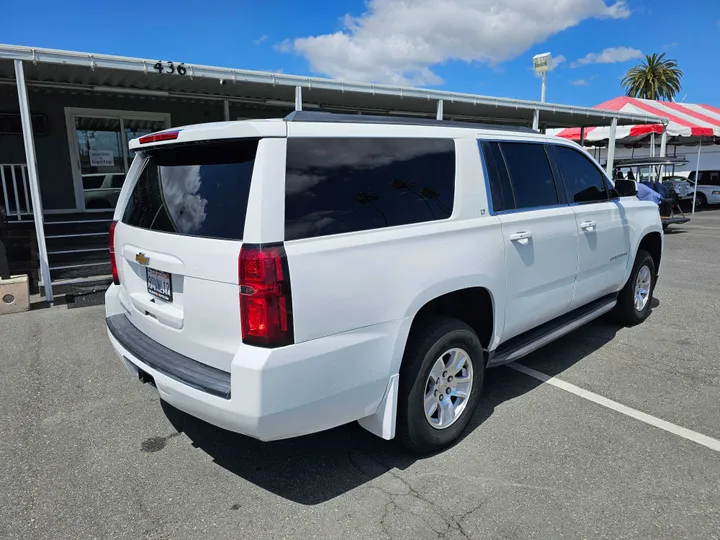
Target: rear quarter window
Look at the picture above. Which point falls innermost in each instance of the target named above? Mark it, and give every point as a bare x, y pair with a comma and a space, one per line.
194, 190
341, 185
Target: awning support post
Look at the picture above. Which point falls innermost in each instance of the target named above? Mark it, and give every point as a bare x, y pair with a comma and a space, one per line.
663, 150
663, 142
298, 98
652, 154
611, 147
536, 119
697, 177
35, 195
226, 110
582, 136
652, 144
439, 114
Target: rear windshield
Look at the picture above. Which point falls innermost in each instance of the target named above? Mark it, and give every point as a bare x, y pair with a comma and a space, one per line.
194, 190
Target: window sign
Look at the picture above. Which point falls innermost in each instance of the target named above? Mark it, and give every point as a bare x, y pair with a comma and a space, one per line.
101, 158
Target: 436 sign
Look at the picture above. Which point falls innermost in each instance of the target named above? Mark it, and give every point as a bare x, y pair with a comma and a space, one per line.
170, 67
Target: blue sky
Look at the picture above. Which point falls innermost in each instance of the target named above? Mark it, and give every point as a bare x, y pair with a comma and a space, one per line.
476, 46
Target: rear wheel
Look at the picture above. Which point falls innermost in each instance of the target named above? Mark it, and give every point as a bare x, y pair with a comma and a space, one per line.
635, 299
440, 382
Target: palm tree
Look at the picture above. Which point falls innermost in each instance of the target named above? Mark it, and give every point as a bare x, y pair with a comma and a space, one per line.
655, 78
367, 197
410, 186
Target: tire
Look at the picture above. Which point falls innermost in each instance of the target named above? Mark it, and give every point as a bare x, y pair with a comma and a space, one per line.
700, 201
627, 311
438, 339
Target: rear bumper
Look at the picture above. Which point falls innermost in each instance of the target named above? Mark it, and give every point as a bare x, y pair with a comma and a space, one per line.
269, 394
166, 361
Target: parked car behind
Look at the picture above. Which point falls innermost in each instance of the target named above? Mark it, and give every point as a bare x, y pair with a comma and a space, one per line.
680, 185
708, 188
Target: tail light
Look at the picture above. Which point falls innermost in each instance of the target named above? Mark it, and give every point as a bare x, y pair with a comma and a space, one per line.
265, 298
113, 262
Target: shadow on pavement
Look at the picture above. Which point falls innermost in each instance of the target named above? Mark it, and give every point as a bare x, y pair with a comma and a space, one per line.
316, 468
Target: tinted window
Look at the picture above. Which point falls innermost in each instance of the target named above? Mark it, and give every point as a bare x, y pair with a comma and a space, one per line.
500, 188
336, 186
710, 178
195, 190
530, 174
583, 181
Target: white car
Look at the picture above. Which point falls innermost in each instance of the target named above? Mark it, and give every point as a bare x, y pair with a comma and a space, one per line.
283, 277
708, 189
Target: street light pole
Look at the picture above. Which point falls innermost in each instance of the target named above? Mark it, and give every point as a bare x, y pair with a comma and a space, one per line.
542, 63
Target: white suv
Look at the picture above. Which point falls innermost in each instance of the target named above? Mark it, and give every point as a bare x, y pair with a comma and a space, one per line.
282, 277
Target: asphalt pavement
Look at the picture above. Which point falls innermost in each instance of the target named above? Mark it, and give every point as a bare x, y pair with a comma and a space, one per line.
88, 452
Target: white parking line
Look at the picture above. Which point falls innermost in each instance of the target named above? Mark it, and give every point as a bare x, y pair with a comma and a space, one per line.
688, 434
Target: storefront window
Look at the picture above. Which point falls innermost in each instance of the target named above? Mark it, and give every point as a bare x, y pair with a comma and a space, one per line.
103, 155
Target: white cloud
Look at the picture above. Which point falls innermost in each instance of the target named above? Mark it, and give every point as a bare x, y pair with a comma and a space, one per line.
181, 186
580, 82
285, 46
556, 61
261, 39
399, 41
611, 55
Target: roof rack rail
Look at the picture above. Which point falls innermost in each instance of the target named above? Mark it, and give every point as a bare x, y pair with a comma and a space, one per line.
313, 116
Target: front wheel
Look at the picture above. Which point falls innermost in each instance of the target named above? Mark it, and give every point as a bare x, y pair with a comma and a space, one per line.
635, 299
440, 382
700, 201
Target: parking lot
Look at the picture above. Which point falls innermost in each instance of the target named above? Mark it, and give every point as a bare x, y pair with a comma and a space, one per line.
87, 452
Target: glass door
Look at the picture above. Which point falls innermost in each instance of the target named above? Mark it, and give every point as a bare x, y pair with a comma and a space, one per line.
99, 140
102, 160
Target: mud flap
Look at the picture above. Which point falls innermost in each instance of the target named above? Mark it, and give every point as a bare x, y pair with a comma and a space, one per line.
382, 423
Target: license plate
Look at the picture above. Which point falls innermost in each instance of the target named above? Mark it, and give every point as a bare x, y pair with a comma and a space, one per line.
159, 284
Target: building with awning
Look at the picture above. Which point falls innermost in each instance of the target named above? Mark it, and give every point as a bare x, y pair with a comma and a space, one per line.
66, 119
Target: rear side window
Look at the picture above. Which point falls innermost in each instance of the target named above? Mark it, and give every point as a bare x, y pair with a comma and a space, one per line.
584, 183
530, 173
342, 185
194, 190
500, 187
710, 178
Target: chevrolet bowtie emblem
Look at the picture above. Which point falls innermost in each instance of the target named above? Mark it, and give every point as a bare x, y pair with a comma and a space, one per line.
140, 258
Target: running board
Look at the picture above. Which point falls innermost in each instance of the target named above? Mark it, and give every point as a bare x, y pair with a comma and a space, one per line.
532, 340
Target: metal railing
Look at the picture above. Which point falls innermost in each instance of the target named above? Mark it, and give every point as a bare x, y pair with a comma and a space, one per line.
15, 190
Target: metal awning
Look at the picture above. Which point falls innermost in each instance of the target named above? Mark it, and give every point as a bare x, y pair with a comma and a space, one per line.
105, 73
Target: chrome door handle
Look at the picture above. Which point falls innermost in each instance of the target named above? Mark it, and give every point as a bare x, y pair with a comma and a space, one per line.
588, 226
521, 237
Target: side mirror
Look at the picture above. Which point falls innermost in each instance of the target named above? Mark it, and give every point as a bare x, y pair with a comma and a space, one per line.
626, 188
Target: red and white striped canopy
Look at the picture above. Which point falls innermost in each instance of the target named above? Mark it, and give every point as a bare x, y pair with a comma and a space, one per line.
686, 121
